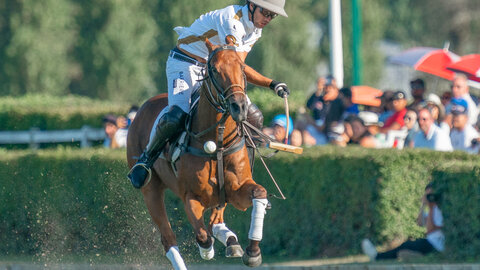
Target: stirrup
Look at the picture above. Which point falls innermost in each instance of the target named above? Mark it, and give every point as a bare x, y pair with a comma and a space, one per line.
149, 172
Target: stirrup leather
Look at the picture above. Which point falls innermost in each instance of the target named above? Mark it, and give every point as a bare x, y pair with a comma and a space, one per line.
149, 171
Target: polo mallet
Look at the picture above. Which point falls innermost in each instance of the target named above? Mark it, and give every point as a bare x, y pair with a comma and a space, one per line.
285, 146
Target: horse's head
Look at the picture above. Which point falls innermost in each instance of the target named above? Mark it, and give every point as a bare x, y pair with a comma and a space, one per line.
226, 72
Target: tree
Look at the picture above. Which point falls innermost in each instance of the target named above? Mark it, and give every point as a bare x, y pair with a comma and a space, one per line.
39, 36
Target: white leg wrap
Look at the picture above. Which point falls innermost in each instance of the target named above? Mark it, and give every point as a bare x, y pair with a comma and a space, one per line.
207, 253
176, 259
256, 224
222, 233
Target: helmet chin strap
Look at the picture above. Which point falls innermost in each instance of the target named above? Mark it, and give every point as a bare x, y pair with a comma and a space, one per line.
252, 12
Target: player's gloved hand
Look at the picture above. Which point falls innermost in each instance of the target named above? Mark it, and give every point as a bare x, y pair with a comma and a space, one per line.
280, 88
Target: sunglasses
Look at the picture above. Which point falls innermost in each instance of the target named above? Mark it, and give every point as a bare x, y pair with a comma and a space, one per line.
267, 13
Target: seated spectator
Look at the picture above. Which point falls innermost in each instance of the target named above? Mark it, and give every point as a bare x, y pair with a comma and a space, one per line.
370, 120
277, 131
350, 108
429, 216
435, 105
331, 112
446, 97
110, 127
430, 135
386, 106
358, 132
337, 135
395, 121
460, 90
411, 126
132, 112
418, 92
123, 124
463, 134
319, 101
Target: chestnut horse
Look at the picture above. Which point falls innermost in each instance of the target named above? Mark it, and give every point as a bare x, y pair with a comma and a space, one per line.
206, 181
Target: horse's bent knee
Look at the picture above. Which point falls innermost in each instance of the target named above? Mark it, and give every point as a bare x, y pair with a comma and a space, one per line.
259, 192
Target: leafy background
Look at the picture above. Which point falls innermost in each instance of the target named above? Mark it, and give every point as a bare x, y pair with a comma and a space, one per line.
116, 50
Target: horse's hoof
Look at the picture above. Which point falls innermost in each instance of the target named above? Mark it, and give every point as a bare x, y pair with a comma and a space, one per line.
252, 261
138, 175
234, 251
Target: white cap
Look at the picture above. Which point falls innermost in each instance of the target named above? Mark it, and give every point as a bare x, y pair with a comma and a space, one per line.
369, 118
432, 98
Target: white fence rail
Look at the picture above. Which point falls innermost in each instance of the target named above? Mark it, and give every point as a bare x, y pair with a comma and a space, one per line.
34, 136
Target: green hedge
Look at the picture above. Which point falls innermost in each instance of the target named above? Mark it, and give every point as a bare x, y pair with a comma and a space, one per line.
72, 112
78, 202
460, 185
53, 113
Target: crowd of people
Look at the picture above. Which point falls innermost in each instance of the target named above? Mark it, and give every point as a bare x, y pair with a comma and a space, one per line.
445, 123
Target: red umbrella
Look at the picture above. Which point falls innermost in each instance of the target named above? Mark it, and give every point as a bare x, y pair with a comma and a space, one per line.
430, 60
366, 95
468, 64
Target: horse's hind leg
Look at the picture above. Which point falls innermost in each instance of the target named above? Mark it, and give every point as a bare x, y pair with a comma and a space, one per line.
249, 194
224, 234
195, 211
154, 195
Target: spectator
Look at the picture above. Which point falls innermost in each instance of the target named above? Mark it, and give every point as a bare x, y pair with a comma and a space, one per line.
430, 135
110, 127
411, 125
418, 92
435, 105
386, 106
337, 135
132, 112
460, 89
350, 108
123, 124
370, 120
319, 101
446, 97
463, 134
277, 131
358, 133
395, 121
429, 216
331, 112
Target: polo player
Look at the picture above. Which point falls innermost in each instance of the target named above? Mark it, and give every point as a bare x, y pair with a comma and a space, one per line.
238, 25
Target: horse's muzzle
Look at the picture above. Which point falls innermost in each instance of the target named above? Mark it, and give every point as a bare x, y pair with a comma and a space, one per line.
238, 110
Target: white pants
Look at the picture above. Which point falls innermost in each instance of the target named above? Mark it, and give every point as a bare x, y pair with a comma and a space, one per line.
182, 78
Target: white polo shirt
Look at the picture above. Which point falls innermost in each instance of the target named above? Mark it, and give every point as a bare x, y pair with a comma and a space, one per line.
436, 139
216, 26
462, 139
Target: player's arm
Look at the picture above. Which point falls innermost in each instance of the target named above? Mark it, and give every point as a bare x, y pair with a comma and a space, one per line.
255, 77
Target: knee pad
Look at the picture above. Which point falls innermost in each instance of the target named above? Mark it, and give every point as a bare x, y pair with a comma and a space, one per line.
255, 116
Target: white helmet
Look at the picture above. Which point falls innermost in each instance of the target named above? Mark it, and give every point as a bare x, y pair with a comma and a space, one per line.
276, 6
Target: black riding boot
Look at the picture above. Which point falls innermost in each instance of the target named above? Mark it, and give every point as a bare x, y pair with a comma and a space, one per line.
169, 125
254, 117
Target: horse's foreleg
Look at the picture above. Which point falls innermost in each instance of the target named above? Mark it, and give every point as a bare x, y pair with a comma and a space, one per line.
253, 194
153, 195
195, 210
224, 234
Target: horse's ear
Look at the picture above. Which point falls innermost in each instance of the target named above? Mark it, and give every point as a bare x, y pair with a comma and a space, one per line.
209, 45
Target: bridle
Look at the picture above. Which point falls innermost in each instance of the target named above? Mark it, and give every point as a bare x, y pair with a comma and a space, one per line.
220, 101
